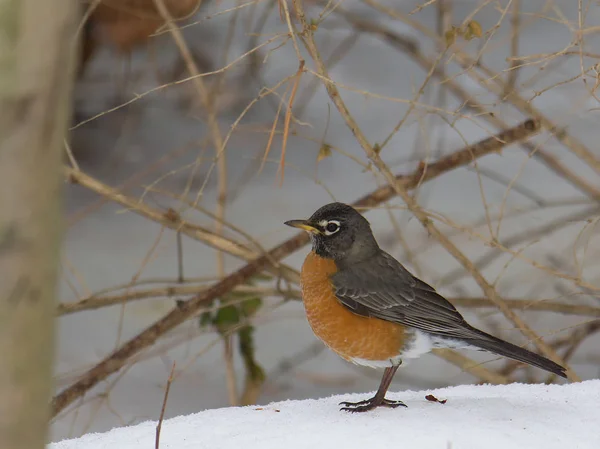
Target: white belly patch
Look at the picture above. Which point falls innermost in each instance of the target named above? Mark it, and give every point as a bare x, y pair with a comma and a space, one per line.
423, 343
420, 344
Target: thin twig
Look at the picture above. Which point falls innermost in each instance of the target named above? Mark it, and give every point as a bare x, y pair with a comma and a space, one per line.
163, 408
232, 390
513, 70
70, 155
180, 275
288, 116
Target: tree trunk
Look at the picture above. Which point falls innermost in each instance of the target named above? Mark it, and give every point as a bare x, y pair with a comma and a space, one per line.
36, 71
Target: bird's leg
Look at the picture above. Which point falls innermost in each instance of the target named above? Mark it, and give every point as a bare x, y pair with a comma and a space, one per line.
379, 399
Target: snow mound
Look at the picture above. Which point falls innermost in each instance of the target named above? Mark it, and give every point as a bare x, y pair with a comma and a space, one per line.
479, 417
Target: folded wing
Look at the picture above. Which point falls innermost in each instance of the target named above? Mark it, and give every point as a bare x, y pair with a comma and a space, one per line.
382, 288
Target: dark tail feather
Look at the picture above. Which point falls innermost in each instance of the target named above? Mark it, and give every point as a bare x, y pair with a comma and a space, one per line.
506, 349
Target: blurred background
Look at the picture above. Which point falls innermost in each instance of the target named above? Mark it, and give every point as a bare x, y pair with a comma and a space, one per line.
201, 111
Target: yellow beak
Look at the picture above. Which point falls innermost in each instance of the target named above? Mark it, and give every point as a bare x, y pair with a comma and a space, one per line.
304, 225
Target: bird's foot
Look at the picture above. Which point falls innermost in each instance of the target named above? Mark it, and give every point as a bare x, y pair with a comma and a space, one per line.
370, 404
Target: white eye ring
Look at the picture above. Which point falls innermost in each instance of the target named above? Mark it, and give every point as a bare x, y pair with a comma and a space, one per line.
331, 227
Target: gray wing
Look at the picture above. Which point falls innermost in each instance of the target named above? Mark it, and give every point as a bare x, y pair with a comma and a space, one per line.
382, 288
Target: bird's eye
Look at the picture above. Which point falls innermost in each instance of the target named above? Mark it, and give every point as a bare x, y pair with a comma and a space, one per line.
332, 227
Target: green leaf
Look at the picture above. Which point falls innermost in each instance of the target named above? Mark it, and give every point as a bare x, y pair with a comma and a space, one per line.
206, 319
227, 316
251, 305
246, 344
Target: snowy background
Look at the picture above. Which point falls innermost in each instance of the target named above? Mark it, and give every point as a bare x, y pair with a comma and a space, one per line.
107, 246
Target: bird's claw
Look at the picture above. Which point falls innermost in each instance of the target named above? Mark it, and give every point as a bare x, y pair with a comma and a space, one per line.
370, 404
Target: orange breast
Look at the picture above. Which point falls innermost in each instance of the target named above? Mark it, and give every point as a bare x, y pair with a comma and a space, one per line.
349, 335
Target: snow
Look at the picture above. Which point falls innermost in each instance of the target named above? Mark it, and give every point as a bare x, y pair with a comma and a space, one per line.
512, 416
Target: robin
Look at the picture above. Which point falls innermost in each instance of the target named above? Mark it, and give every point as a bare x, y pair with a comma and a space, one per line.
370, 310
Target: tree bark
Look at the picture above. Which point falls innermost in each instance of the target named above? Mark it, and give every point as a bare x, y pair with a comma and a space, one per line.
37, 44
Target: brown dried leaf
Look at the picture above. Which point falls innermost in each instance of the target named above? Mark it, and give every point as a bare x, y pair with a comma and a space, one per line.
172, 215
451, 34
324, 152
472, 30
432, 398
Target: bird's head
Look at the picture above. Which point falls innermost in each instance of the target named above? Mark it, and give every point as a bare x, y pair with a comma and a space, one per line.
339, 232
